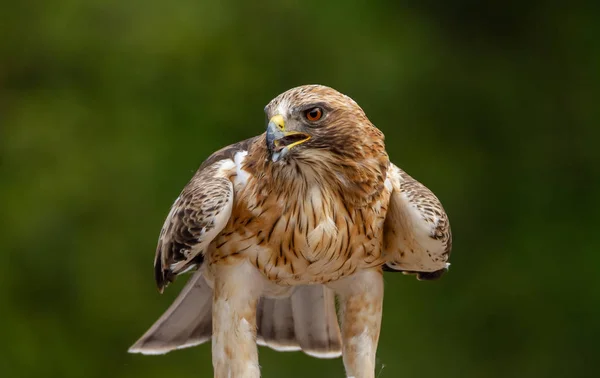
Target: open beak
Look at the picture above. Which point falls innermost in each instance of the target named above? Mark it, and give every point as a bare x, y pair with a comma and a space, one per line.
280, 141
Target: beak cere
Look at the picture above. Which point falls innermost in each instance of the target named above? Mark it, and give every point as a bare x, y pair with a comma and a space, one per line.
280, 141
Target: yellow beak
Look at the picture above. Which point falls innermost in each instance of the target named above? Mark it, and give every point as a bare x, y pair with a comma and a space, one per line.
279, 140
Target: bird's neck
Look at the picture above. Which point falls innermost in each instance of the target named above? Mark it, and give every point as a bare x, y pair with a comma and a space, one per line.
358, 181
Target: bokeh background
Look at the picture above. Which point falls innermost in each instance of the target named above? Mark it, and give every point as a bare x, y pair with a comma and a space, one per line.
107, 107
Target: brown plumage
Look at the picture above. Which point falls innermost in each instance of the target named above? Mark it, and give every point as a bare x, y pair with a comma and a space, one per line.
279, 224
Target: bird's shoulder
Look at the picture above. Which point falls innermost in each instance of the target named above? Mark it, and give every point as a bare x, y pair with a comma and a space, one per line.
229, 152
201, 211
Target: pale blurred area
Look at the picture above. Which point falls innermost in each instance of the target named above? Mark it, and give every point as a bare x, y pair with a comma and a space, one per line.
108, 107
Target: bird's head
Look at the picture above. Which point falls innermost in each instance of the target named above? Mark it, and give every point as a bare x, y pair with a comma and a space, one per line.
315, 121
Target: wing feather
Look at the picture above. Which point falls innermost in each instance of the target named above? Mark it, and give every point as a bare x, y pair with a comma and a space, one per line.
417, 235
196, 218
198, 215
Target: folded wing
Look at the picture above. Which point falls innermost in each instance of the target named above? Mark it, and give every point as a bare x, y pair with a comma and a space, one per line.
198, 215
417, 236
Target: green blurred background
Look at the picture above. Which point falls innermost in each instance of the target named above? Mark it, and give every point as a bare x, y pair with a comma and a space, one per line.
108, 107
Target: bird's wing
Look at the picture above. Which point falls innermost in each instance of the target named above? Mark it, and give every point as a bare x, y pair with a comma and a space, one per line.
417, 236
198, 215
187, 322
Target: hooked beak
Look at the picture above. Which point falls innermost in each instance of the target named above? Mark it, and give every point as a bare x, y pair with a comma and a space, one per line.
280, 141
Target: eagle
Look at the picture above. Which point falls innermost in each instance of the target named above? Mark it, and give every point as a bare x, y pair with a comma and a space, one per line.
280, 226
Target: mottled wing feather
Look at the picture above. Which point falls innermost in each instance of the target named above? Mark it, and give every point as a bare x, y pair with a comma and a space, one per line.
196, 218
198, 215
417, 236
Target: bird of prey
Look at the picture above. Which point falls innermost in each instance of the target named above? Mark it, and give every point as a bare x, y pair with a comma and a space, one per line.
280, 225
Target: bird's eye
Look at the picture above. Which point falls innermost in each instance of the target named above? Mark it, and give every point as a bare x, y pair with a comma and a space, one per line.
314, 114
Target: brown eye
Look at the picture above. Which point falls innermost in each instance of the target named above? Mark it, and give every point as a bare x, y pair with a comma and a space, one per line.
313, 114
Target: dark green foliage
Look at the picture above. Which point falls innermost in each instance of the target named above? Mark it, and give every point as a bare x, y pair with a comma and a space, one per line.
107, 108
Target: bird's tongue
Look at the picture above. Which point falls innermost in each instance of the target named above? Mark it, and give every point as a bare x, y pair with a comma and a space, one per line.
282, 143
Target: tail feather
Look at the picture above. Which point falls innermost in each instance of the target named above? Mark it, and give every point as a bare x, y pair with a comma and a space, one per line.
275, 323
315, 321
186, 323
305, 321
